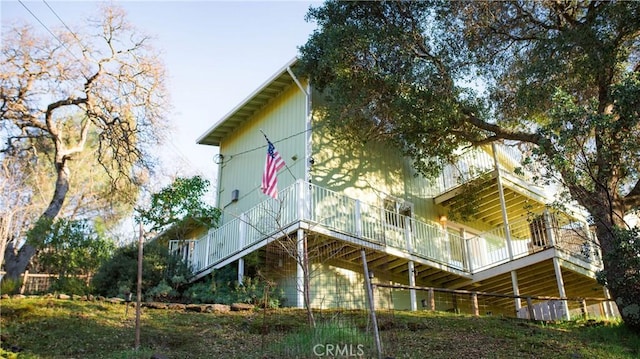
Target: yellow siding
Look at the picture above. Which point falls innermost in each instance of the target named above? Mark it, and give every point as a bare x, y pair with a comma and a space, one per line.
331, 287
369, 172
283, 121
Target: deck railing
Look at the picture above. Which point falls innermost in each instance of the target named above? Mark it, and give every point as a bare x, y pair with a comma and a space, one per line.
363, 223
494, 247
477, 161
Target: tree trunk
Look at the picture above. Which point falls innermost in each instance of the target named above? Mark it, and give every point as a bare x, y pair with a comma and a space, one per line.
16, 262
619, 273
60, 191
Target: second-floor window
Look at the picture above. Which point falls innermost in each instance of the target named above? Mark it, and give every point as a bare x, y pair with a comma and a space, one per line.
396, 212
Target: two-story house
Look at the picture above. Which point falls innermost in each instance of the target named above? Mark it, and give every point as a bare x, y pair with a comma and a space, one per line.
337, 197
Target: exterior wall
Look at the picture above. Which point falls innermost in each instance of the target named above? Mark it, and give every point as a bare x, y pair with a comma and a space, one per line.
244, 151
369, 172
331, 287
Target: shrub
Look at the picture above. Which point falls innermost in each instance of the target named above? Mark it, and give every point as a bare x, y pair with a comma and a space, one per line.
251, 291
70, 285
163, 292
120, 272
10, 285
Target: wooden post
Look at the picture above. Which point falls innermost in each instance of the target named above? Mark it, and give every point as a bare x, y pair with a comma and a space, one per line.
503, 203
561, 291
432, 300
412, 283
532, 314
583, 306
25, 277
516, 291
139, 288
369, 289
474, 303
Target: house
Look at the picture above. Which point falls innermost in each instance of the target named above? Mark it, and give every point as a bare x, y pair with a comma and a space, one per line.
336, 198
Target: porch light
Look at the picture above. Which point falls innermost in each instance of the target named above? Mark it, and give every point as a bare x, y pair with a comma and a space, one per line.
443, 220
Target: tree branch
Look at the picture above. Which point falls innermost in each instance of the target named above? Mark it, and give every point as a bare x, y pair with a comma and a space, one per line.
503, 133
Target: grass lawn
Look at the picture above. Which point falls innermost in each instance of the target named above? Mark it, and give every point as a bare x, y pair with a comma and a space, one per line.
52, 328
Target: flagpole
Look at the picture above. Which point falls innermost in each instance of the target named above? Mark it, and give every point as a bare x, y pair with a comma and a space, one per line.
285, 162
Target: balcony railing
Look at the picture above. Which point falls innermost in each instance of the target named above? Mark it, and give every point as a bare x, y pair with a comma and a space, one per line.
363, 224
494, 247
477, 161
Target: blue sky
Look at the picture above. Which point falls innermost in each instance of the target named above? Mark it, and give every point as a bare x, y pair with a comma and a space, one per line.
216, 53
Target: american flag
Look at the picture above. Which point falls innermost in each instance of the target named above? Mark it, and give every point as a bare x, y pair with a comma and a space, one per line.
271, 167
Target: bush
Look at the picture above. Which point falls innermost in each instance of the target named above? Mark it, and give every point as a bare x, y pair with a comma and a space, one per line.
119, 274
163, 292
70, 285
252, 291
10, 286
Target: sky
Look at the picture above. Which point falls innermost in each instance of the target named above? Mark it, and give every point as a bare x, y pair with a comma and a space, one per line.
216, 53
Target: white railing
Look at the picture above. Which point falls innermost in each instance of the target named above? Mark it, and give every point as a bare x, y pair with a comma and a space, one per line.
477, 161
323, 208
492, 248
361, 223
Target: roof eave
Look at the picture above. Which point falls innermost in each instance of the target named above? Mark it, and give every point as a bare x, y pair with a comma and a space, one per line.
213, 136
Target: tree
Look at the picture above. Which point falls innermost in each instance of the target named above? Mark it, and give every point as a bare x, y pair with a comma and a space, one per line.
178, 204
173, 212
71, 247
561, 79
100, 91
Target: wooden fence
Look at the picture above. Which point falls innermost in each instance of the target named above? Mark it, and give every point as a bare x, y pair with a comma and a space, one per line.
533, 307
32, 283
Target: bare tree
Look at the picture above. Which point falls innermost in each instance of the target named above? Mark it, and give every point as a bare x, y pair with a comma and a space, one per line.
16, 209
100, 90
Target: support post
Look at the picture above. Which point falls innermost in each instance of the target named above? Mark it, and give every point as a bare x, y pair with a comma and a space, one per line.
583, 307
474, 304
207, 253
432, 300
412, 283
358, 219
516, 290
299, 270
608, 309
25, 278
547, 223
532, 314
301, 200
241, 242
240, 271
503, 204
467, 249
372, 309
561, 291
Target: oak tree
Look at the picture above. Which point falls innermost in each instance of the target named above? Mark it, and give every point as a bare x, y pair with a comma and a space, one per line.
561, 79
95, 94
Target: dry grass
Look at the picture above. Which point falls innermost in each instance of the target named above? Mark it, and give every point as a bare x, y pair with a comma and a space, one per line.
49, 328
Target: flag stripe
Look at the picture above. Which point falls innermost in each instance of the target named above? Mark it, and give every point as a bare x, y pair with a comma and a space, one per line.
273, 164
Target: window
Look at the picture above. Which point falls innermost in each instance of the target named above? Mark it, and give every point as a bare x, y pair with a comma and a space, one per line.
396, 212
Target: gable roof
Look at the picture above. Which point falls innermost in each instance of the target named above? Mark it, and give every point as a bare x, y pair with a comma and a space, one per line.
271, 88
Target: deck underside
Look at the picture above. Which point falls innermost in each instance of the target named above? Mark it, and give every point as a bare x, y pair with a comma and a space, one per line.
535, 273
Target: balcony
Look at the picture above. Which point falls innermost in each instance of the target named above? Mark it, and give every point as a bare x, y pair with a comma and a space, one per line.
392, 235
